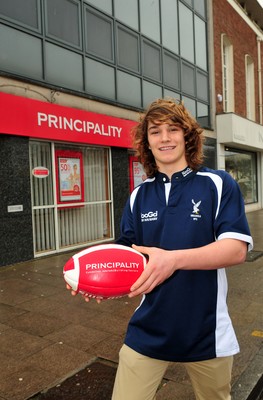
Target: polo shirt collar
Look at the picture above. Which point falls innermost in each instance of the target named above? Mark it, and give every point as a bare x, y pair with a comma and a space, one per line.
177, 176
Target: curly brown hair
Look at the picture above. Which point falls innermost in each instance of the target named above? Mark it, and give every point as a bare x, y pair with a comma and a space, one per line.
160, 111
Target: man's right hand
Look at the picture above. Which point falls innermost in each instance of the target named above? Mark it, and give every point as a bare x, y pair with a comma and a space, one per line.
85, 296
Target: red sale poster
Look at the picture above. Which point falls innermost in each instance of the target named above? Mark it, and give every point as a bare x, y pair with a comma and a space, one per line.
70, 182
137, 173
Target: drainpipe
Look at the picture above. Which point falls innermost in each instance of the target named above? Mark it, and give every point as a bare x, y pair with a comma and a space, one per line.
259, 40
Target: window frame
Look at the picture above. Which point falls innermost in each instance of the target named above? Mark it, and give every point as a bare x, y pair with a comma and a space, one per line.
227, 74
106, 18
137, 36
58, 39
250, 88
22, 24
239, 178
152, 44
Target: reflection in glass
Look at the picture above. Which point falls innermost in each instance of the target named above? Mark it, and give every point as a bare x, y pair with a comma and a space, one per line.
241, 165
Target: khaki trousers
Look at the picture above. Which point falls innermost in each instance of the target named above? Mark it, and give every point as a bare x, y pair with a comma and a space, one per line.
138, 377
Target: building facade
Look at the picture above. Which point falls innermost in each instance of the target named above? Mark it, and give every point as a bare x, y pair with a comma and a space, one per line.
74, 76
238, 47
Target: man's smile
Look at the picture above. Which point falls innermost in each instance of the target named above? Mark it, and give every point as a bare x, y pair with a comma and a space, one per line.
165, 148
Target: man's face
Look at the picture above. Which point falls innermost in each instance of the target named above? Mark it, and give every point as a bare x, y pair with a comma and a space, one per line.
167, 143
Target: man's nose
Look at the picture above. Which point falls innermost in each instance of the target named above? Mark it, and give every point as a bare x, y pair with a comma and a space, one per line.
166, 135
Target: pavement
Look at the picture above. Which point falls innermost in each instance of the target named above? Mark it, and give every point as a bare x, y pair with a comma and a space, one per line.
48, 337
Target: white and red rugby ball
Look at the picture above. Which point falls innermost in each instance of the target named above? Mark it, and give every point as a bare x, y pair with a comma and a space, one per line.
105, 271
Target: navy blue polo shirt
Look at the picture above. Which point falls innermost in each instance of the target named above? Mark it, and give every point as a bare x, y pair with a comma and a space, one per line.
185, 318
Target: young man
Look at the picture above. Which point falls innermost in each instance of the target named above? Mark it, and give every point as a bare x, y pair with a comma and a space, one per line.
190, 222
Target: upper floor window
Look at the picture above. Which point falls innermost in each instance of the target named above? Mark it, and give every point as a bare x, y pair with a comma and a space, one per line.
26, 14
227, 74
250, 88
63, 21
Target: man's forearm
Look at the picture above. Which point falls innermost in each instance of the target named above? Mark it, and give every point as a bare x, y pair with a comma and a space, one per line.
220, 254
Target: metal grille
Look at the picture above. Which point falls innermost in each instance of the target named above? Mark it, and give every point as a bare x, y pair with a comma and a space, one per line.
67, 226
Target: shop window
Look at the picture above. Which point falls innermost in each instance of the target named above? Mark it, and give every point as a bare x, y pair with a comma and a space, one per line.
91, 220
242, 166
42, 195
137, 174
210, 153
66, 217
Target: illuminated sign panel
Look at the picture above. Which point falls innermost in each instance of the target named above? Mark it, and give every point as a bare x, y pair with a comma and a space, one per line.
34, 118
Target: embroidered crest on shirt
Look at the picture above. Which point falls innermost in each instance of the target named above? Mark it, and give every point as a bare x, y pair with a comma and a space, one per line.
196, 211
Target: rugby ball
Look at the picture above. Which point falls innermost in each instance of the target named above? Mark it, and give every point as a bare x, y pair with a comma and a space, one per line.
104, 271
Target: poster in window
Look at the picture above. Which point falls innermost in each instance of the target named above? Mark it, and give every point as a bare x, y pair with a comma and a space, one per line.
70, 182
137, 173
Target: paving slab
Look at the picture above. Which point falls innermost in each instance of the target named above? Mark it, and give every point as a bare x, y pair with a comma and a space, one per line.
23, 383
20, 344
37, 324
78, 336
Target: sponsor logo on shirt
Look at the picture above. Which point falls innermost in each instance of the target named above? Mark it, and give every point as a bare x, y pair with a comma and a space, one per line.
186, 172
196, 211
149, 216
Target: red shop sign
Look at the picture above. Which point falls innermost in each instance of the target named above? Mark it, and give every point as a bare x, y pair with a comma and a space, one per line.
34, 118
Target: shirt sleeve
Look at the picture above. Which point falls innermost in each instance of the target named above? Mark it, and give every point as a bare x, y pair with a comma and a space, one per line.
231, 221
